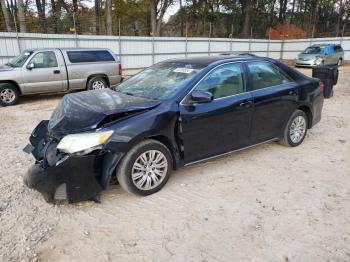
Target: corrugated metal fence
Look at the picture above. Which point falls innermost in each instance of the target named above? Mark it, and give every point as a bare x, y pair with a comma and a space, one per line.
141, 52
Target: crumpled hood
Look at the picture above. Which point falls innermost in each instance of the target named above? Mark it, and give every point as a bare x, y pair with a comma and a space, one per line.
86, 110
4, 68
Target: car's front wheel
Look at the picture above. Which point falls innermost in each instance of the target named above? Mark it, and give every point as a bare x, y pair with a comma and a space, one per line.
146, 168
295, 130
8, 94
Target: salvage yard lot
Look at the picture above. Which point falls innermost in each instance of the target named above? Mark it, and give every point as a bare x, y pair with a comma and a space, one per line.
267, 203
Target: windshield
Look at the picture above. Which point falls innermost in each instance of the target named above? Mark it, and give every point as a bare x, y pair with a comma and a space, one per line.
161, 81
19, 61
313, 50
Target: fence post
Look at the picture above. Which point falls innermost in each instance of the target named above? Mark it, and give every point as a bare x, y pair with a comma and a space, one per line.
153, 50
282, 45
231, 38
119, 42
312, 34
186, 47
17, 37
209, 38
75, 30
268, 43
250, 39
342, 34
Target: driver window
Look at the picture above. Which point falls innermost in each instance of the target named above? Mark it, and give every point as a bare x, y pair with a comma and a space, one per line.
226, 80
44, 60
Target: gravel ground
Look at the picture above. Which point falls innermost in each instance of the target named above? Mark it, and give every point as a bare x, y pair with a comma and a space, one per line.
268, 203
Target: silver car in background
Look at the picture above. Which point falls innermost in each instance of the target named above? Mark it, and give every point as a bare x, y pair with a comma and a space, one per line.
51, 70
325, 54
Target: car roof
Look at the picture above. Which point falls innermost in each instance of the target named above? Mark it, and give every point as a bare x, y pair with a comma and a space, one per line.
207, 60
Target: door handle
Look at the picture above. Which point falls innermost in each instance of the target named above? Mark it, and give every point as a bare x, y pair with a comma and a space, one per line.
246, 104
292, 93
56, 71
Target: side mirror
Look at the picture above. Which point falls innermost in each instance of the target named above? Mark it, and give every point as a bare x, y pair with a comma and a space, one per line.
30, 66
201, 96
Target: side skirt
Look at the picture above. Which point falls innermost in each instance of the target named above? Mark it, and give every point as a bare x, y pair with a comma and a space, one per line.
233, 151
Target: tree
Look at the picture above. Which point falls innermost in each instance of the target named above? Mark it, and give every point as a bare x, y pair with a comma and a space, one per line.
109, 17
157, 12
247, 11
6, 15
40, 6
21, 16
97, 17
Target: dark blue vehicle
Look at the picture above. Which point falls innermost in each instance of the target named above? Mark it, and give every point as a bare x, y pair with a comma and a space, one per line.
172, 114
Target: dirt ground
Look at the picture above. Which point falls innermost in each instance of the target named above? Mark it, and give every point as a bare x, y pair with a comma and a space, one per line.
268, 203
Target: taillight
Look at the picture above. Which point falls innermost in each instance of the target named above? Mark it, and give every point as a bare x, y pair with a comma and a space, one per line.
120, 69
321, 85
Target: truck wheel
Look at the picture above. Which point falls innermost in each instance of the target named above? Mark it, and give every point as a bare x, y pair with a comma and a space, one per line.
145, 169
8, 94
295, 130
97, 83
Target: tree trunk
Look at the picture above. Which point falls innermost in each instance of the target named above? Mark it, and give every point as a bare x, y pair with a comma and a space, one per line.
109, 16
6, 16
153, 9
97, 17
182, 20
247, 19
21, 16
41, 13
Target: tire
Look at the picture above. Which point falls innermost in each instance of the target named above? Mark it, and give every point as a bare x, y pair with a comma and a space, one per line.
97, 82
288, 139
340, 61
143, 182
8, 94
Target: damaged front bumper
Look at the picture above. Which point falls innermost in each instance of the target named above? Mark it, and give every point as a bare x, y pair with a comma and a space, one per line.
71, 178
75, 179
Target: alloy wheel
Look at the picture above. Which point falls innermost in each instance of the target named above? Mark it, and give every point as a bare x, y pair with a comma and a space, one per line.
297, 129
98, 85
7, 96
149, 170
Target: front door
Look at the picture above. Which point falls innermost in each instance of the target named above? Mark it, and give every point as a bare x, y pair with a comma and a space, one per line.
45, 74
213, 128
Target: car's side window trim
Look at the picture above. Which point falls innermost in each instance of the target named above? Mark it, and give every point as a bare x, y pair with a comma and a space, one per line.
228, 63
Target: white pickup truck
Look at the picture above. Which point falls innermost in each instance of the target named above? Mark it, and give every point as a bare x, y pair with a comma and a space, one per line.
51, 70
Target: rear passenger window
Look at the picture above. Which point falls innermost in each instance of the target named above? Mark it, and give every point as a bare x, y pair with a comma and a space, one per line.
89, 56
265, 75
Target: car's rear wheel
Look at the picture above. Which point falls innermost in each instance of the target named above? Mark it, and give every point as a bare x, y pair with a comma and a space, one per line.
146, 168
96, 83
8, 94
295, 130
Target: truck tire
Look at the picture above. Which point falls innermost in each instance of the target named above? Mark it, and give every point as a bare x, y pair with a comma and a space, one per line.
97, 82
8, 94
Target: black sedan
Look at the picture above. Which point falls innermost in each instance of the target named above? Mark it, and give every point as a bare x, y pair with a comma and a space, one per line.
172, 114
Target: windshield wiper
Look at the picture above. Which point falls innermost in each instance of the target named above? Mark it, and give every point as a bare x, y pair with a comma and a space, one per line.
9, 64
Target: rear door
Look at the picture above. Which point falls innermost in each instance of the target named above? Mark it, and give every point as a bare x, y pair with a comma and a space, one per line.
47, 75
274, 94
222, 125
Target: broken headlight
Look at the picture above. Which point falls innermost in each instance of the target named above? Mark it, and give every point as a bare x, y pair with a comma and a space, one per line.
84, 141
